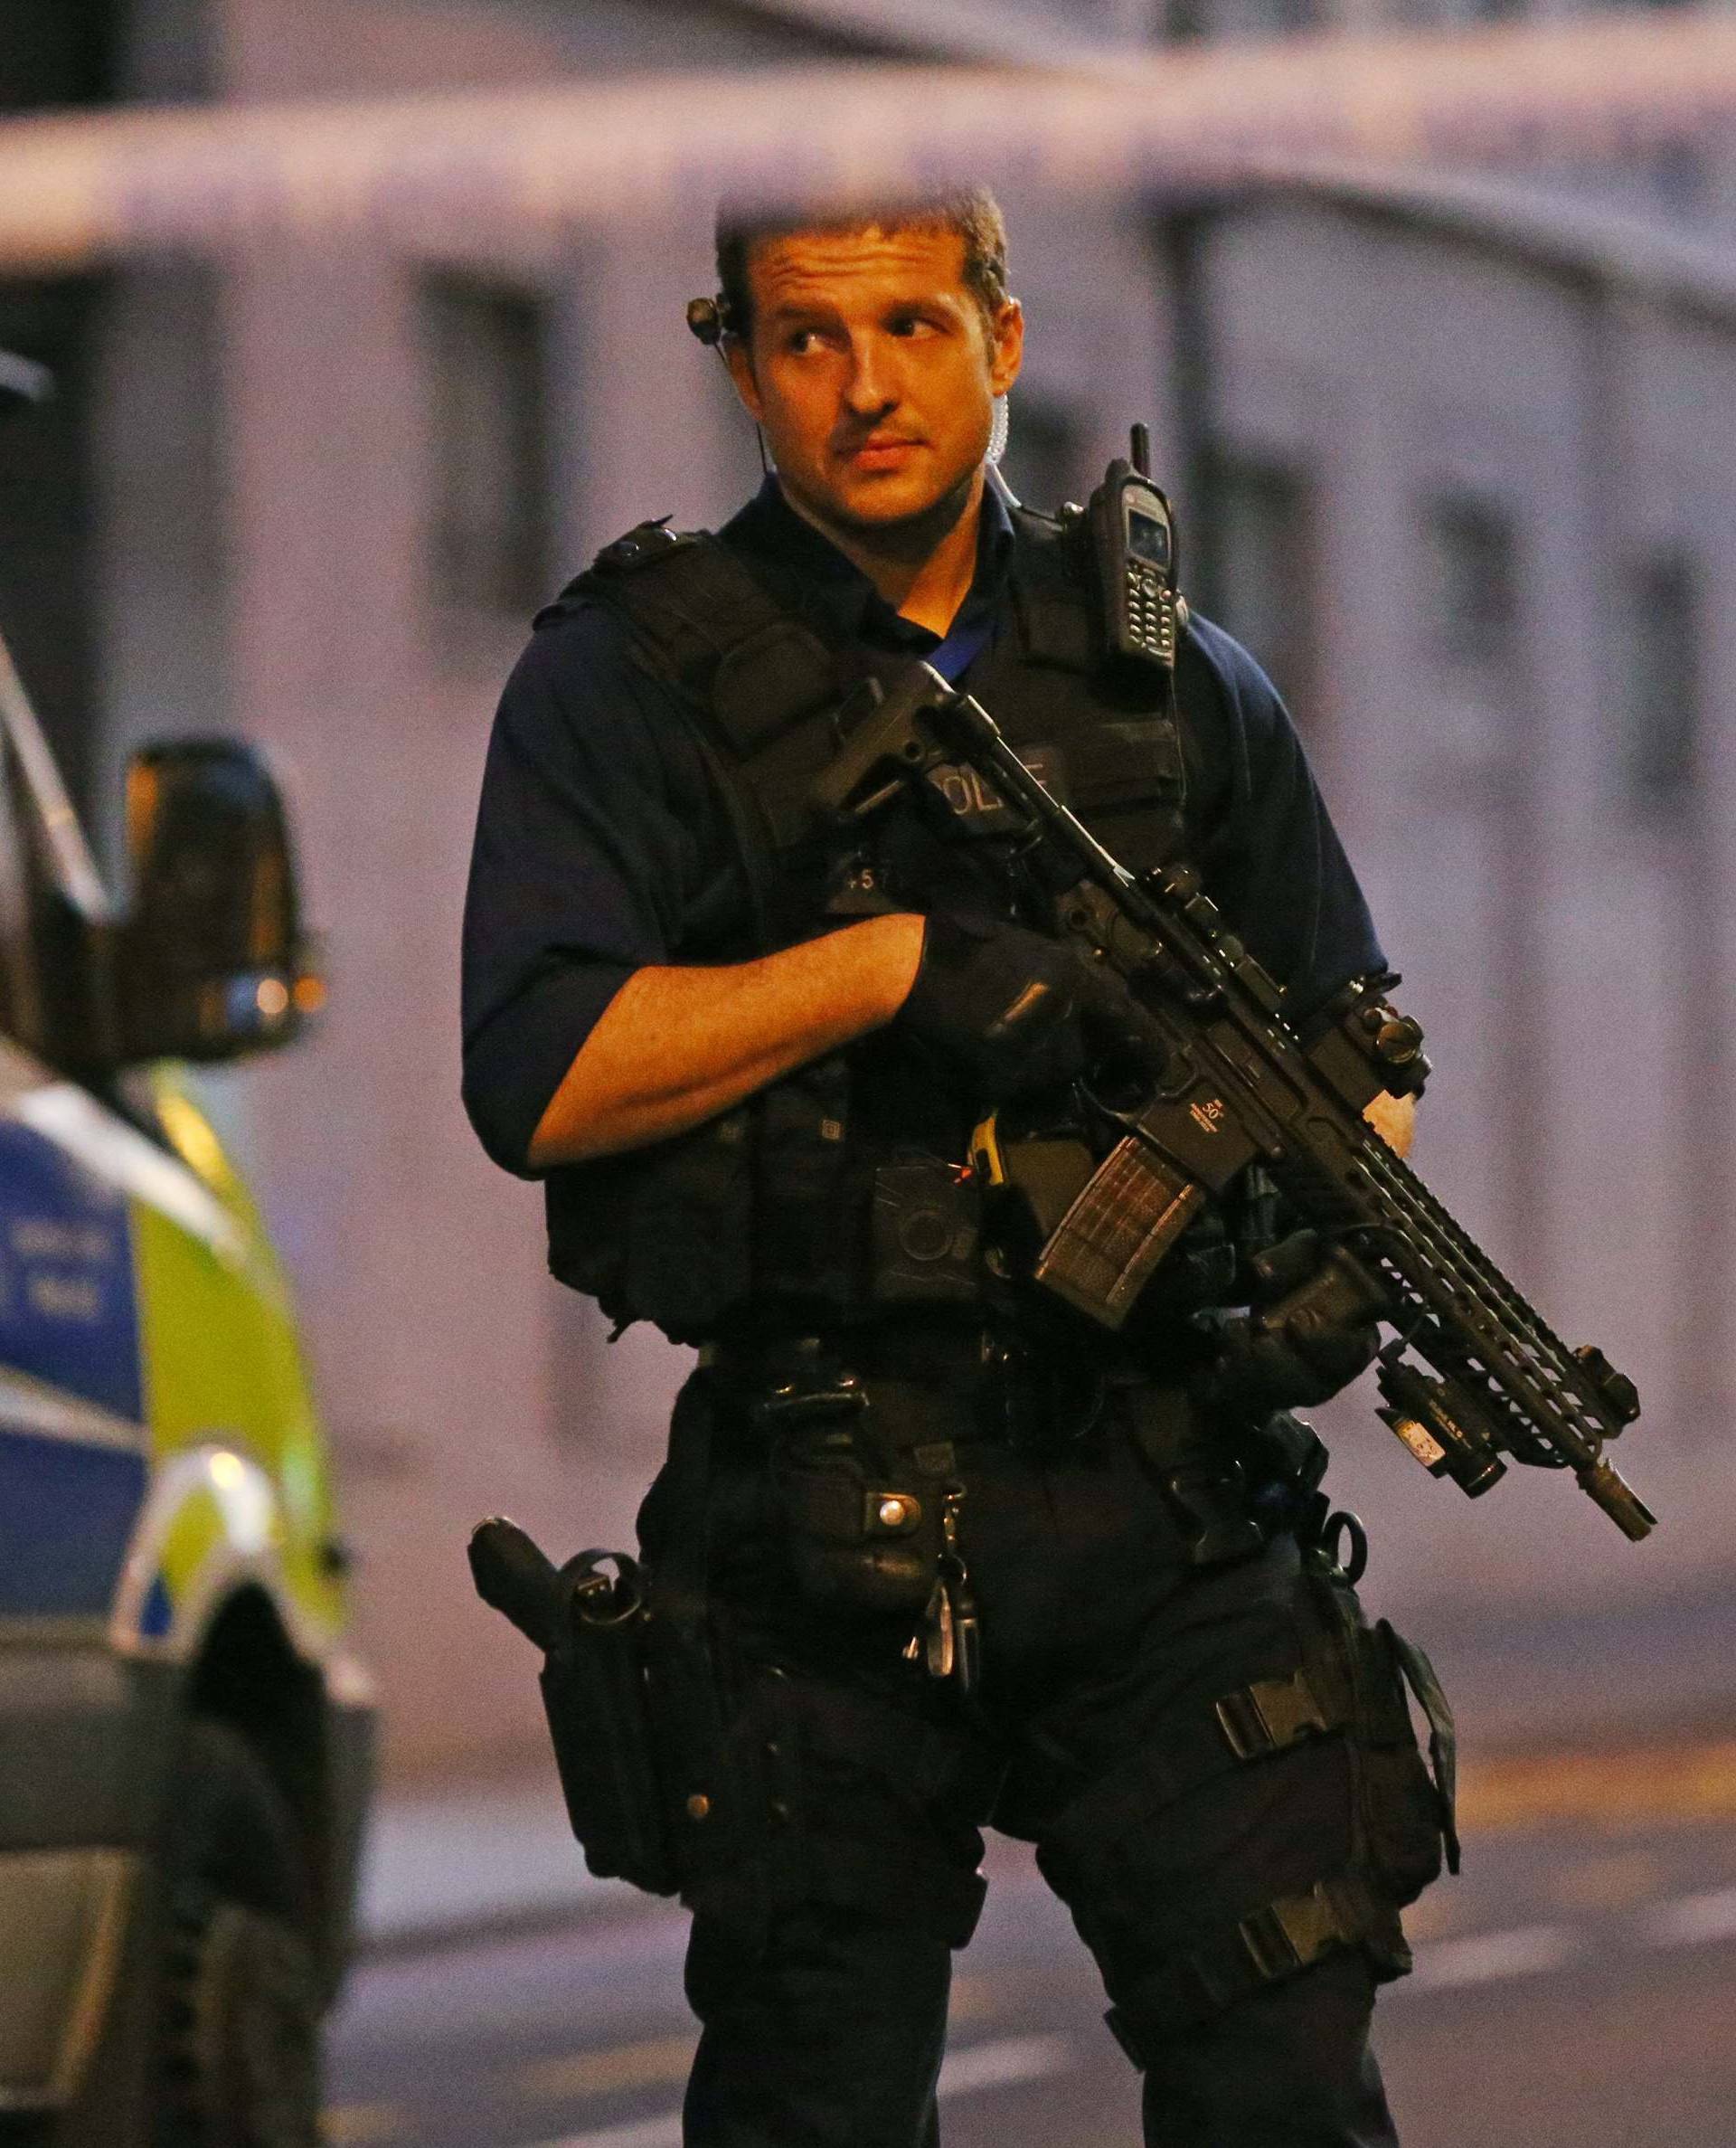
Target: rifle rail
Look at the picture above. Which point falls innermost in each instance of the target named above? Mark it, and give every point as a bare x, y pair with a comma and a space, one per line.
1447, 1299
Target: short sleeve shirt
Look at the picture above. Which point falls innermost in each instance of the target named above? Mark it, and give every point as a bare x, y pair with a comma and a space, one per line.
602, 843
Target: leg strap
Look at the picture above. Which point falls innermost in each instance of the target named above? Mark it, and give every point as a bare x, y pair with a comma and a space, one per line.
1264, 1718
1279, 1940
1273, 1712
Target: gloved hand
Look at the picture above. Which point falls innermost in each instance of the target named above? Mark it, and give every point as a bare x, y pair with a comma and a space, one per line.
1016, 1011
1310, 1332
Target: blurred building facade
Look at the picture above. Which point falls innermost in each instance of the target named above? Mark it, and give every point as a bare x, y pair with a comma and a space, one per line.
1463, 470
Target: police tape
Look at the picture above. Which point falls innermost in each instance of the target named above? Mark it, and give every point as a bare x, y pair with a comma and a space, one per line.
435, 169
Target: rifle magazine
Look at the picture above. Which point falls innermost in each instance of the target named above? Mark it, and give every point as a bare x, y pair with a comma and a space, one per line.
1109, 1245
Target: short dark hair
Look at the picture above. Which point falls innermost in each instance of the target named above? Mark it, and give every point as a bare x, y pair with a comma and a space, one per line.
972, 212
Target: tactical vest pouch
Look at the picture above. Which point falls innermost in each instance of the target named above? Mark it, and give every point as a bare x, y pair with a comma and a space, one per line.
803, 1245
860, 1470
663, 1234
689, 1224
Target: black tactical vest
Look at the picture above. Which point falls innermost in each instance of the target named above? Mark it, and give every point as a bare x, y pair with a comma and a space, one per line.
835, 1195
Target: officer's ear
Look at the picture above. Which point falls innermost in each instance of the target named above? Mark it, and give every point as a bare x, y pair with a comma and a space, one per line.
1005, 344
739, 358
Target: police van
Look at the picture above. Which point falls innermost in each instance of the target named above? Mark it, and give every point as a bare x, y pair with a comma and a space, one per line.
184, 1735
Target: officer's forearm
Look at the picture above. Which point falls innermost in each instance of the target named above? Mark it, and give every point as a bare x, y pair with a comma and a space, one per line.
1394, 1119
675, 1046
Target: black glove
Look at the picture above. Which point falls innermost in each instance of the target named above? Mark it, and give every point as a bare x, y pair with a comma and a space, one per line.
1018, 1012
1311, 1331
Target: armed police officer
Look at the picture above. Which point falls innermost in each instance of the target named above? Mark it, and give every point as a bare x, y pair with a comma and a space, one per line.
966, 1558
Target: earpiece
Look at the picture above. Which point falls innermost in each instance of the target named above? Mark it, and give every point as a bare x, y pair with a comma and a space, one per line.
706, 321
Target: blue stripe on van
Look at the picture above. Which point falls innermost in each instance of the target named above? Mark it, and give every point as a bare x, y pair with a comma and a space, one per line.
66, 1512
69, 1312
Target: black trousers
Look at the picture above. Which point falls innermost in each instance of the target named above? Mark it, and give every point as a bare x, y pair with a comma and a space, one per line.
819, 1960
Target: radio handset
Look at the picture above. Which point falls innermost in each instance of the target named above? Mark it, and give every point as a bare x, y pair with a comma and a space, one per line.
1133, 536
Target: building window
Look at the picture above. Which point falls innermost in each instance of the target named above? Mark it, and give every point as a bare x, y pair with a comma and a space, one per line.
1280, 17
1186, 19
1682, 179
1262, 569
1474, 571
488, 403
1663, 672
49, 613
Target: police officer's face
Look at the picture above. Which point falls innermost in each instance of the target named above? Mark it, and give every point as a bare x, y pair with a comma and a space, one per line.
873, 370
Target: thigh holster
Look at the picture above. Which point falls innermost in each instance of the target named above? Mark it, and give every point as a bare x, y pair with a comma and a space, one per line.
1352, 1685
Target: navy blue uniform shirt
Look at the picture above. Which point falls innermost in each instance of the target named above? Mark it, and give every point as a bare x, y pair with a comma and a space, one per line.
602, 844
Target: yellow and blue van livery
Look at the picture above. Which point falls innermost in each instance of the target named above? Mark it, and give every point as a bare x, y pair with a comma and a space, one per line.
158, 1444
185, 1735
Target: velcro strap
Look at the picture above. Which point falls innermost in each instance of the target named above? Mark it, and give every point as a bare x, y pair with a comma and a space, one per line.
1293, 1932
1279, 1940
1273, 1713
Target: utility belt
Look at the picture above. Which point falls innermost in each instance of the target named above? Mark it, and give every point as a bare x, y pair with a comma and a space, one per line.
866, 1438
871, 1468
945, 1376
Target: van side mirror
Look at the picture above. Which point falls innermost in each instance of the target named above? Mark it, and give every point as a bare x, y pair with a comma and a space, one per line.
212, 959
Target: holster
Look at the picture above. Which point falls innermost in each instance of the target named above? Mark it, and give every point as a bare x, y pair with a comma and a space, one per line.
629, 1684
597, 1693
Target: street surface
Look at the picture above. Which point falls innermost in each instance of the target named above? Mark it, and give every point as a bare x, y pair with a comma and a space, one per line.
1575, 1988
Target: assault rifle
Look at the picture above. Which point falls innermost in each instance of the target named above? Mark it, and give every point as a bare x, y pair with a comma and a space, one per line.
1473, 1372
